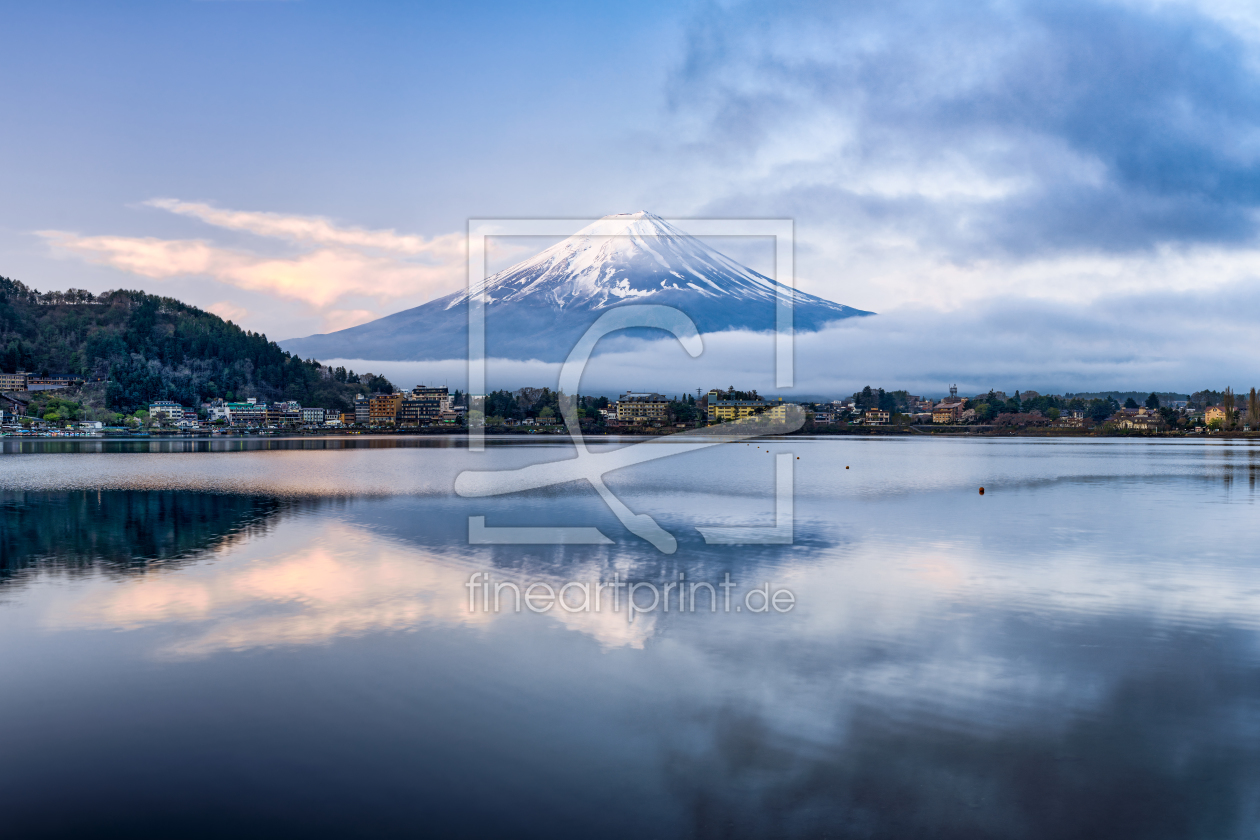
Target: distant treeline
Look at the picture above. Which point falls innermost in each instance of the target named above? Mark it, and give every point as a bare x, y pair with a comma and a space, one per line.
878, 398
989, 406
144, 348
1165, 397
526, 403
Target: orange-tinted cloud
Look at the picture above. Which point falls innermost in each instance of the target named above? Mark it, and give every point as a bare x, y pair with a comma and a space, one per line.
339, 262
317, 230
318, 277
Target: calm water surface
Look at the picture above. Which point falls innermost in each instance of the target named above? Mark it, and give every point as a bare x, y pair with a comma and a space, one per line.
274, 639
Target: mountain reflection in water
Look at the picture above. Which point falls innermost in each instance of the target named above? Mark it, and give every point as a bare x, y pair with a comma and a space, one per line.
1074, 654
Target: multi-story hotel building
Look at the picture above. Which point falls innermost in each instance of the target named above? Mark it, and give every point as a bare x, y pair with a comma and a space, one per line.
383, 409
13, 381
642, 409
424, 406
166, 411
285, 413
733, 409
875, 417
251, 413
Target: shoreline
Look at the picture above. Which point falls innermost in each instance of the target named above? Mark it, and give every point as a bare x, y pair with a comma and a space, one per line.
589, 435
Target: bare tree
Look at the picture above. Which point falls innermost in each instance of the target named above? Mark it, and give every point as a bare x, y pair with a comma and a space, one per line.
1227, 402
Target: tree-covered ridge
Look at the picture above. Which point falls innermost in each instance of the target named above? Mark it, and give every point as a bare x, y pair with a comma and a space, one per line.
146, 347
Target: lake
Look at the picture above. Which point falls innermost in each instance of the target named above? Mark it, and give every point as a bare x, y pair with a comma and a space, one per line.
274, 638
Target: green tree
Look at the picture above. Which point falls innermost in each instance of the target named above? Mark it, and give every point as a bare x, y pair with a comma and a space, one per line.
684, 410
1152, 402
1100, 410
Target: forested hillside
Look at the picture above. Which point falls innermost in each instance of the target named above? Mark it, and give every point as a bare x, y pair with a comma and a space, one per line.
146, 347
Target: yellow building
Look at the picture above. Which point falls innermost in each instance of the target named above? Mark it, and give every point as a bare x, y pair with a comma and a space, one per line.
1214, 413
778, 412
642, 409
734, 409
383, 409
13, 381
948, 412
875, 417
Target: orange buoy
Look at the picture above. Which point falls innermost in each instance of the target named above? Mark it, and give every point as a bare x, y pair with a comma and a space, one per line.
981, 491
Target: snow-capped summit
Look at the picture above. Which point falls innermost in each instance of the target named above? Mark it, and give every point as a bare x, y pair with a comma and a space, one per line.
623, 257
538, 308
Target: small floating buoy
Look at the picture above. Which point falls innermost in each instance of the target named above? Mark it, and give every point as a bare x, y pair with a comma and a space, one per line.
981, 491
846, 468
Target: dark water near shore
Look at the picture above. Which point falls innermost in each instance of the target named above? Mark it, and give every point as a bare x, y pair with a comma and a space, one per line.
276, 641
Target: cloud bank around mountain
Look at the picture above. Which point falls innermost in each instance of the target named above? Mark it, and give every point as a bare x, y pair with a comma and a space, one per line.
1159, 340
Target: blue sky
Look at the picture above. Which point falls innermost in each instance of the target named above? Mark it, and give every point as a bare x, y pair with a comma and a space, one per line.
1087, 166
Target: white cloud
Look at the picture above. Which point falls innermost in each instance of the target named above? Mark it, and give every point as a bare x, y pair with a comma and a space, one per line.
885, 274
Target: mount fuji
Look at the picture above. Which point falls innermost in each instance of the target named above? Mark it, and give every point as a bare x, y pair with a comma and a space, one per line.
537, 309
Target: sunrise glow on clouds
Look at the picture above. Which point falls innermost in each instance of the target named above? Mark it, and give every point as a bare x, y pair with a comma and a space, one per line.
314, 229
337, 263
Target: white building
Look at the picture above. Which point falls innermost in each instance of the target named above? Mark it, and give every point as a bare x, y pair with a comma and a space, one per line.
166, 411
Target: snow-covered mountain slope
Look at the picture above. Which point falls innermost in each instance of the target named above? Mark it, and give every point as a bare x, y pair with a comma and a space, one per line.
538, 308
